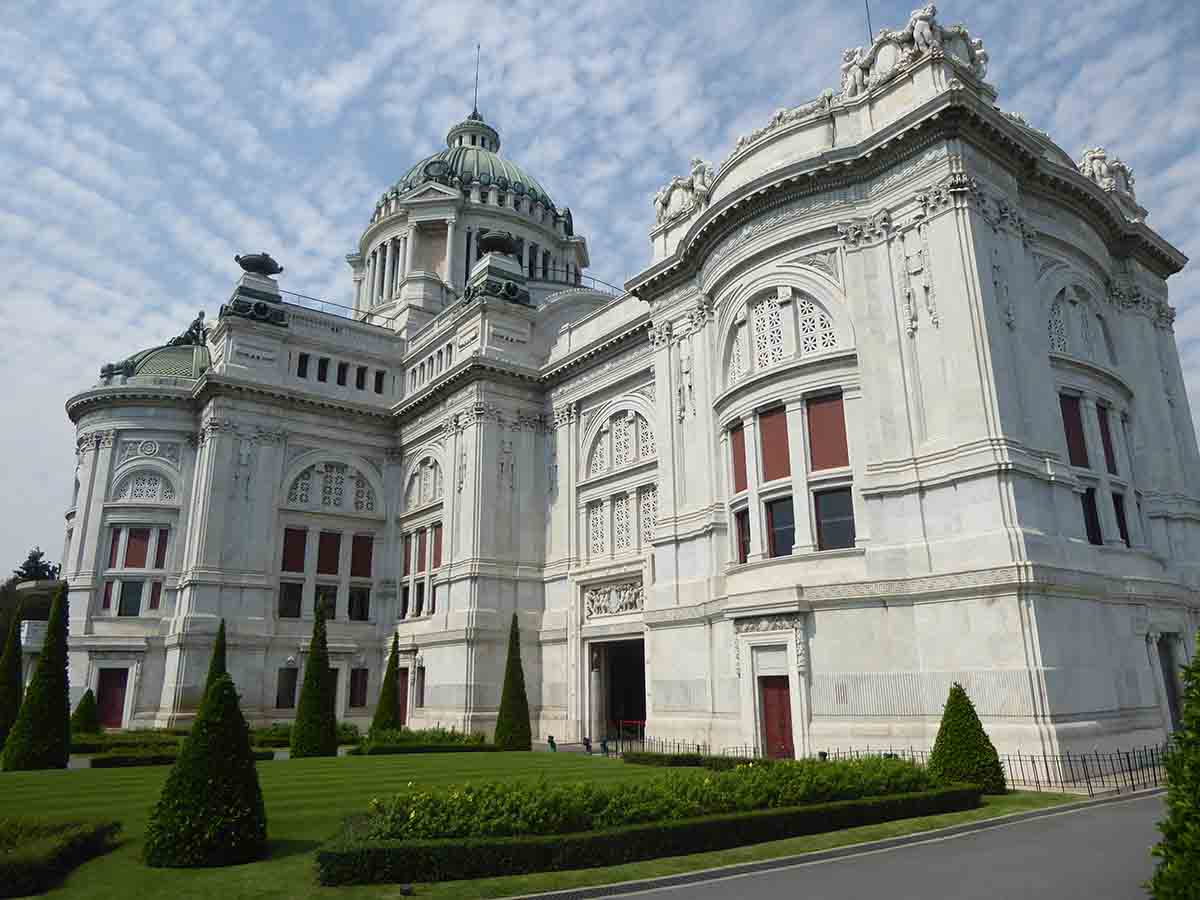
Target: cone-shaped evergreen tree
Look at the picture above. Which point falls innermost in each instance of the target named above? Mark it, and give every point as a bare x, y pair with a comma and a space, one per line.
216, 666
41, 736
11, 687
86, 718
211, 810
1178, 873
963, 751
387, 712
314, 733
512, 722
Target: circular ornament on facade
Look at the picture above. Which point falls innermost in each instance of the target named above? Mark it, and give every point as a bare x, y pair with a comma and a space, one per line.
148, 448
436, 168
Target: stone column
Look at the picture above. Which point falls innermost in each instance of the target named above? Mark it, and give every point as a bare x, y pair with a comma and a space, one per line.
451, 256
389, 268
370, 297
410, 244
797, 429
380, 267
596, 694
855, 411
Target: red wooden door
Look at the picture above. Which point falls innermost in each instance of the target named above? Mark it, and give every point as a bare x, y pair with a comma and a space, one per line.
777, 716
110, 697
402, 690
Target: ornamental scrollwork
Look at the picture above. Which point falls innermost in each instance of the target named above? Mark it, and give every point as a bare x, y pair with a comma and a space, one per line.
793, 622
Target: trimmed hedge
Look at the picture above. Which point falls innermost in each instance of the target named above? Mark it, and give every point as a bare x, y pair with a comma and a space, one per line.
314, 732
513, 731
691, 760
281, 735
152, 758
36, 854
349, 860
12, 688
86, 718
963, 751
392, 749
387, 710
135, 741
41, 736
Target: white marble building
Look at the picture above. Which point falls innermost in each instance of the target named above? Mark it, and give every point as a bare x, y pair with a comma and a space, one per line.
897, 403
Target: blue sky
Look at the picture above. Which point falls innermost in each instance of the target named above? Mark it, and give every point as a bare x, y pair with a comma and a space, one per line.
143, 145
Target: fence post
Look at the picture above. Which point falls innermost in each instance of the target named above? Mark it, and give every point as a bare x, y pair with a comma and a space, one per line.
1087, 778
1037, 786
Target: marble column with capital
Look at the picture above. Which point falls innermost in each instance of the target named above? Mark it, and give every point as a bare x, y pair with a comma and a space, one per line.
389, 266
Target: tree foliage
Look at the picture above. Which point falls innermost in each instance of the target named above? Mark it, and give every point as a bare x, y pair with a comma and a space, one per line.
211, 810
86, 718
1177, 876
387, 712
11, 686
315, 730
216, 666
36, 567
41, 736
512, 722
963, 751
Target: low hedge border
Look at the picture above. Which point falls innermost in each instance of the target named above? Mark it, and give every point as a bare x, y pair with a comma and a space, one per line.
390, 749
37, 854
129, 760
691, 760
124, 743
347, 860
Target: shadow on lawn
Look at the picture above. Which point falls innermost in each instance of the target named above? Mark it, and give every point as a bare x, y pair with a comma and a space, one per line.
282, 848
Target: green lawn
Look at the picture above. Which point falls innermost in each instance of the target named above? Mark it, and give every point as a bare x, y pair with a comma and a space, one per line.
306, 800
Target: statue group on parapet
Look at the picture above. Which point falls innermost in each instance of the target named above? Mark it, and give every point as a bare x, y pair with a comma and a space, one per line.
1112, 175
684, 195
195, 336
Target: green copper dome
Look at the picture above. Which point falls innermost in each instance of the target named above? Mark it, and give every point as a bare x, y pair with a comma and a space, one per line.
175, 361
471, 154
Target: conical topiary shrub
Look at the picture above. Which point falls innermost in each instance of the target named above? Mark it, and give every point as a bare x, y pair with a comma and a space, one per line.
387, 712
216, 665
963, 752
211, 810
86, 718
41, 736
314, 732
11, 686
1178, 873
512, 722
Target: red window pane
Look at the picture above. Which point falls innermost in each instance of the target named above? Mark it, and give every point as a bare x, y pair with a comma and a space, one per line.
294, 540
361, 552
407, 553
437, 545
421, 550
155, 594
1073, 425
160, 552
107, 602
772, 427
358, 687
737, 444
136, 548
112, 548
1110, 458
329, 548
827, 433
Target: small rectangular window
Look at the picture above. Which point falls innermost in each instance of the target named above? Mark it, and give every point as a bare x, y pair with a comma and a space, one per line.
155, 595
160, 550
360, 604
379, 382
1073, 426
343, 370
827, 433
737, 447
358, 688
421, 550
404, 602
362, 551
1091, 517
329, 548
741, 521
437, 545
325, 598
360, 378
1110, 457
406, 563
291, 597
323, 369
130, 598
781, 527
419, 688
113, 547
772, 429
420, 598
302, 365
1122, 524
106, 603
835, 519
285, 692
294, 540
136, 548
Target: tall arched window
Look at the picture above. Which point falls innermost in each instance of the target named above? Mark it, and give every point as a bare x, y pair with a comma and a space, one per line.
332, 487
144, 486
424, 484
766, 332
625, 439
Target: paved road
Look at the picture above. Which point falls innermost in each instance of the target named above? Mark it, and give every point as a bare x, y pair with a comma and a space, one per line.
1097, 853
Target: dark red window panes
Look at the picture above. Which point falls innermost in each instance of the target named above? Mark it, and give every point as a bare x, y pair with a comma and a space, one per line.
827, 433
772, 427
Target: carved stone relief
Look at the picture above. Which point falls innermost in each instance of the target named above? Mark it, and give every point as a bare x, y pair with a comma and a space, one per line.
613, 600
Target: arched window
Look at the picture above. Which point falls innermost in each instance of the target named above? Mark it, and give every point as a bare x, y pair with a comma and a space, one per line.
626, 439
144, 486
332, 487
424, 485
763, 330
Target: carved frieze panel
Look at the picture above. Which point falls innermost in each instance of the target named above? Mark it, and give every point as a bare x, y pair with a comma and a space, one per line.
166, 451
784, 622
613, 600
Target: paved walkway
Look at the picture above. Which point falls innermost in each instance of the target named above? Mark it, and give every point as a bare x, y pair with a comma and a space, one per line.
1100, 852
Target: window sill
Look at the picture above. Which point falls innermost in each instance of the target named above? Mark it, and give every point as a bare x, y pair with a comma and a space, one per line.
802, 556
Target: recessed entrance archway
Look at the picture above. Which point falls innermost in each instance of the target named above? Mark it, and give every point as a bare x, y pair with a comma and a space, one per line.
617, 688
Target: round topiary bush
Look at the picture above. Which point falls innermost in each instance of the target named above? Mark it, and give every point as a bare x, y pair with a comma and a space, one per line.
211, 810
963, 752
86, 718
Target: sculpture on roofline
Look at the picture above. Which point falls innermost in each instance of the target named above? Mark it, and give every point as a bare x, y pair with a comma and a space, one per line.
684, 195
922, 28
195, 336
854, 75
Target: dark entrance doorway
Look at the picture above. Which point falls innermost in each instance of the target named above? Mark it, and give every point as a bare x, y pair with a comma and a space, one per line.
626, 712
402, 690
776, 716
1166, 659
110, 697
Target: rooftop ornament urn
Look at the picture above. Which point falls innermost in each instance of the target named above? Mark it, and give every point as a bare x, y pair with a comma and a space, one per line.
259, 264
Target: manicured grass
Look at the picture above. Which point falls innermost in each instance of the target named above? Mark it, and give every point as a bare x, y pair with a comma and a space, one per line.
307, 798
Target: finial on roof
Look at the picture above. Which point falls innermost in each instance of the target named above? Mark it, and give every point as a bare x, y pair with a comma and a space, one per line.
475, 101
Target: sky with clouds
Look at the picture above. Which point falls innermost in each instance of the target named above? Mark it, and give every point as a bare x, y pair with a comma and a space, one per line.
143, 144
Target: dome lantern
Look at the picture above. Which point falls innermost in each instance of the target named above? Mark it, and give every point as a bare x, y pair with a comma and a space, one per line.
474, 132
